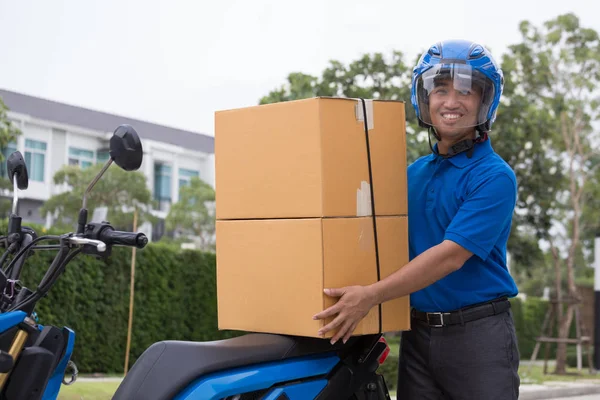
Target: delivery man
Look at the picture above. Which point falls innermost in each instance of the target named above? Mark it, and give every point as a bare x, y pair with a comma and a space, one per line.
461, 198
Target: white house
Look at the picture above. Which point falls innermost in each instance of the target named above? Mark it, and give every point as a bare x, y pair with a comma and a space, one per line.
55, 134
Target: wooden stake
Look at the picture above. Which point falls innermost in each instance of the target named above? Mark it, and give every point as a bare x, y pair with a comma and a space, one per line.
131, 297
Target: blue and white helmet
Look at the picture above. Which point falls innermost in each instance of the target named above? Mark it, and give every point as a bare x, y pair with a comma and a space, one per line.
466, 64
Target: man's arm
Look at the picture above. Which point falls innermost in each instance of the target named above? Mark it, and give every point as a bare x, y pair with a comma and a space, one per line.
429, 267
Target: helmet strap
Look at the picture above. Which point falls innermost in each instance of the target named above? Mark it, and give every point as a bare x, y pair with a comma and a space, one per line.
466, 145
430, 131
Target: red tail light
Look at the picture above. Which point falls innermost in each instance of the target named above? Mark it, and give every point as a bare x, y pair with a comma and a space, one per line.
385, 352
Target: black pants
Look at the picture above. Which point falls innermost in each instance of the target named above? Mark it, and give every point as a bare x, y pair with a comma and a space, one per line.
478, 360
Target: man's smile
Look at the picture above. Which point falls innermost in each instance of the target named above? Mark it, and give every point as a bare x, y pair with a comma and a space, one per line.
451, 116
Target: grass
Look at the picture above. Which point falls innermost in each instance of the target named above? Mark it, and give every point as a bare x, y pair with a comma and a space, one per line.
394, 347
536, 375
101, 390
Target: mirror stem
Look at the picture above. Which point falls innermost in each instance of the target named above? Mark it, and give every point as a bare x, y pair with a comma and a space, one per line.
15, 194
14, 221
93, 183
83, 213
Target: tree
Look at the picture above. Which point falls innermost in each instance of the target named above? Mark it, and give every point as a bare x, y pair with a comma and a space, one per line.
194, 214
8, 134
591, 212
524, 135
554, 75
118, 190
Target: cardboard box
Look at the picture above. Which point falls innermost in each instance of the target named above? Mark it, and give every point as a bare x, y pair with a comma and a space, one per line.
308, 158
294, 211
271, 273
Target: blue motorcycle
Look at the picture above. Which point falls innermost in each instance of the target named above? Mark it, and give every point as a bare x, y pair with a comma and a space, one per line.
35, 359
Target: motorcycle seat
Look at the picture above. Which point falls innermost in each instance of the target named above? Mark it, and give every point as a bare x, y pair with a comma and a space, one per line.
167, 367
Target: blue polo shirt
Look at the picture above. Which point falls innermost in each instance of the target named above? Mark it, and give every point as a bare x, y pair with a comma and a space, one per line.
469, 201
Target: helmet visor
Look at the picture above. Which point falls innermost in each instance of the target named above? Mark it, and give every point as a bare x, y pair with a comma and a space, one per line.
454, 96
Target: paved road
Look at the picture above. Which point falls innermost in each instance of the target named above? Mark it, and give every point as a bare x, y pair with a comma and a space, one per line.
587, 397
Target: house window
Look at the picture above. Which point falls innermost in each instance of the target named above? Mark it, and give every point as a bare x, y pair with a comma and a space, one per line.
185, 176
162, 185
81, 157
102, 156
7, 151
35, 159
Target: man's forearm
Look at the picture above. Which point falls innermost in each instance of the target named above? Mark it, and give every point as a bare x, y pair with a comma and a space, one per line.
429, 267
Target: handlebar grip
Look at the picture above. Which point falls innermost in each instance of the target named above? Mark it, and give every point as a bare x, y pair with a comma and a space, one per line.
112, 237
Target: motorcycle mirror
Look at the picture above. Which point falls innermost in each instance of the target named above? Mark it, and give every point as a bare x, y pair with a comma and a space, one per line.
17, 174
17, 170
126, 148
125, 151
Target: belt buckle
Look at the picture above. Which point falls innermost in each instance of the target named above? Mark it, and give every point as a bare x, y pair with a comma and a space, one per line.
441, 315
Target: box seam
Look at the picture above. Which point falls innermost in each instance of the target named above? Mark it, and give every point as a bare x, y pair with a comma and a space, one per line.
321, 157
322, 264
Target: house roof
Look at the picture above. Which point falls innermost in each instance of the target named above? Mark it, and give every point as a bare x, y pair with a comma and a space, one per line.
101, 121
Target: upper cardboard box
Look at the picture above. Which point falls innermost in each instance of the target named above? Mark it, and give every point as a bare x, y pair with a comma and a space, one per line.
309, 158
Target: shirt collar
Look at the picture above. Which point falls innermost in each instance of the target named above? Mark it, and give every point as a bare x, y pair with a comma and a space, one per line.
461, 160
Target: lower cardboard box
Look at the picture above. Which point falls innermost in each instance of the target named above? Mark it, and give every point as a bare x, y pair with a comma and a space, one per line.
271, 273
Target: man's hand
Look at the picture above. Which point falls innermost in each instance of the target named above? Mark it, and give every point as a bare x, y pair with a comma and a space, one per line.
356, 301
354, 304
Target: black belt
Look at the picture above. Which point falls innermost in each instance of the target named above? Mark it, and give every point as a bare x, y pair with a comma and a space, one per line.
467, 314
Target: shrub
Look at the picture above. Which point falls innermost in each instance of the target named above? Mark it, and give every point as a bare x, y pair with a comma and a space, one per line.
175, 298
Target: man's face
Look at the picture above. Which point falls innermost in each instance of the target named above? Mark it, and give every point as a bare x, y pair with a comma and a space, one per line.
453, 109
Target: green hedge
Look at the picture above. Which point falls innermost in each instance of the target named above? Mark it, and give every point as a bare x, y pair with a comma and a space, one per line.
529, 318
175, 298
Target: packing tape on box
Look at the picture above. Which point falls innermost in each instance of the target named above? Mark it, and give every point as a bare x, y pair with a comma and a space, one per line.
366, 237
363, 209
360, 115
363, 200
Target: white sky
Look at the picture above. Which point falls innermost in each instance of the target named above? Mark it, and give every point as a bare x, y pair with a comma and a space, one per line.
177, 62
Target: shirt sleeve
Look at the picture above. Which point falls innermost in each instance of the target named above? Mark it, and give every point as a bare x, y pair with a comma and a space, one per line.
485, 214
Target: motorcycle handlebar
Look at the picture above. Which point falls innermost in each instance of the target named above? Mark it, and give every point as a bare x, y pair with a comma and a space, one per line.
112, 237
